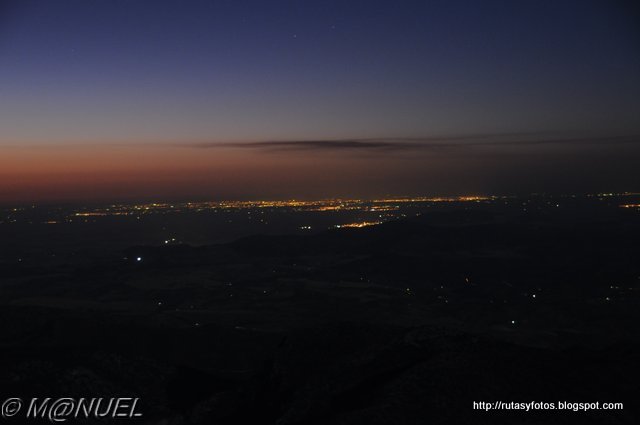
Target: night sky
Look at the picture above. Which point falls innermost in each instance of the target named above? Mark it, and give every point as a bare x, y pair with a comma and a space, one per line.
123, 100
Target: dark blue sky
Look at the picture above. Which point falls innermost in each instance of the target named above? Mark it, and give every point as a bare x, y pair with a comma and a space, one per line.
128, 72
219, 70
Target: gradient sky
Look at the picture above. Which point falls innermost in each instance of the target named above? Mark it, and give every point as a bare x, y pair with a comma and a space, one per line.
121, 99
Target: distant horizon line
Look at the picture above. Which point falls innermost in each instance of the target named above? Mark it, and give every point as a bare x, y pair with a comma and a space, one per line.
386, 198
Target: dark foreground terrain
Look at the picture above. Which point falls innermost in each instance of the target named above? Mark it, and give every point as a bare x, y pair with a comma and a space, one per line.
407, 322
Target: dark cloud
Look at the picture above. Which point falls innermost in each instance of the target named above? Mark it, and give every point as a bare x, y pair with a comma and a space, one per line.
389, 144
349, 144
420, 143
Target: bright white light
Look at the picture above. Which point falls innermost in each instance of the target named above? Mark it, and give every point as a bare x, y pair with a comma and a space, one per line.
138, 258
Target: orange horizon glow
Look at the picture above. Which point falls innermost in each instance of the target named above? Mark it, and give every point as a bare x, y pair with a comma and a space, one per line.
116, 172
108, 172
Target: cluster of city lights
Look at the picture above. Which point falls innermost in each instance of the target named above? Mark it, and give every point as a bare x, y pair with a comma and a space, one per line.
360, 224
371, 205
